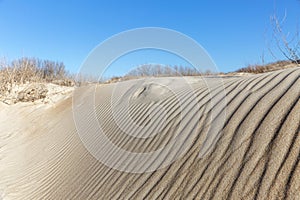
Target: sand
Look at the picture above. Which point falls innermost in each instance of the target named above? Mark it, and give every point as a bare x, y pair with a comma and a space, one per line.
183, 139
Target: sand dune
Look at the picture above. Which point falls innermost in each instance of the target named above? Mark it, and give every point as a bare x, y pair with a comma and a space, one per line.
163, 138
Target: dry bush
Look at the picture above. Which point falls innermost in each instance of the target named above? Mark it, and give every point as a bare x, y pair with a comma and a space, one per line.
287, 42
257, 69
158, 70
31, 70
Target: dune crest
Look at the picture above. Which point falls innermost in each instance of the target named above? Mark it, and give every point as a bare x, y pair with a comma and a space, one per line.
254, 154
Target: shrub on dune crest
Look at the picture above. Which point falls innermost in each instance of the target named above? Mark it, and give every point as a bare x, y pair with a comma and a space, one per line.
28, 71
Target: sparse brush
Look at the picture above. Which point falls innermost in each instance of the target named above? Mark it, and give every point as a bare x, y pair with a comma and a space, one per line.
31, 70
28, 70
257, 69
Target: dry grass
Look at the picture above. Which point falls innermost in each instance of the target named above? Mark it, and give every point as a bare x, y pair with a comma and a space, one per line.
158, 70
257, 69
25, 79
32, 70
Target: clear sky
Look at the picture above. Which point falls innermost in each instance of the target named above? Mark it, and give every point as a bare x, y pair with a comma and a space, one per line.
234, 33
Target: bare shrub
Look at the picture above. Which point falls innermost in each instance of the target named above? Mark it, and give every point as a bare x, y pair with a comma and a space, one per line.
287, 42
28, 71
158, 70
257, 69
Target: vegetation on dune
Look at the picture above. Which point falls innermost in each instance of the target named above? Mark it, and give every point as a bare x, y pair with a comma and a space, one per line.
258, 69
25, 70
166, 70
159, 70
286, 41
23, 79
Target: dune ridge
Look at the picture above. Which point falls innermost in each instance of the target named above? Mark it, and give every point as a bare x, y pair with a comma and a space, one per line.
254, 154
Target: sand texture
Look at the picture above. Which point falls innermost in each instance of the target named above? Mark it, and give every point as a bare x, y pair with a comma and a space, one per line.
204, 145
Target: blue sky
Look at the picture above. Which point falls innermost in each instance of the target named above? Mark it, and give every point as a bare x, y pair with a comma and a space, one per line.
234, 33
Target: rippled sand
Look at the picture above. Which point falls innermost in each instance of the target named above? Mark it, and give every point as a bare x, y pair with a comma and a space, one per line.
245, 148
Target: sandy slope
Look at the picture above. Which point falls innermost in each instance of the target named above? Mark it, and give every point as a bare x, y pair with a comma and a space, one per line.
255, 153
